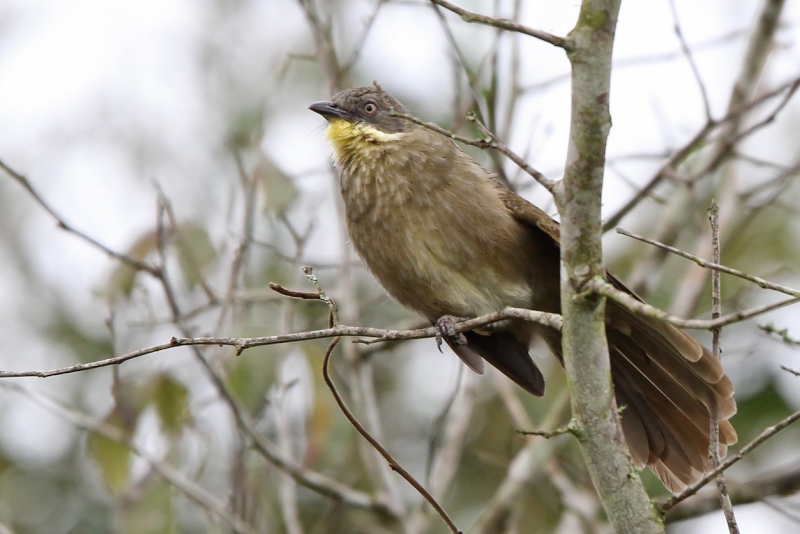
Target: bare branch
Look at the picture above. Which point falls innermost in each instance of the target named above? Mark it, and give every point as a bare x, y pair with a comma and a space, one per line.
566, 429
788, 370
760, 282
504, 24
132, 262
601, 287
782, 333
716, 332
490, 142
731, 460
687, 52
375, 444
548, 319
783, 483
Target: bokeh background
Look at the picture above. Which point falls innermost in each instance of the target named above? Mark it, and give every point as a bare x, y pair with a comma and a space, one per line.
177, 133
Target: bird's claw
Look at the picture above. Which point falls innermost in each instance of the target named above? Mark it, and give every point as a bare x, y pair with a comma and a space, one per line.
446, 329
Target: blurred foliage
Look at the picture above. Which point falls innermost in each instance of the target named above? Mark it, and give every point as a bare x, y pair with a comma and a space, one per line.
195, 252
123, 278
250, 75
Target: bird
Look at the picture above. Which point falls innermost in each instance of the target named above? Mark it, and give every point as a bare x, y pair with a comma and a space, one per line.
448, 240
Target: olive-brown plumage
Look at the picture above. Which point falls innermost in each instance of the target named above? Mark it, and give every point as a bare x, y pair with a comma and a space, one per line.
446, 238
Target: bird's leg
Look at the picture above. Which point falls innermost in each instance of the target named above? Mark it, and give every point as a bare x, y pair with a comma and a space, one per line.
446, 329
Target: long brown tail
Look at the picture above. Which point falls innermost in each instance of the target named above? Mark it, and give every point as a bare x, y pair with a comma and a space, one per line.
666, 385
669, 385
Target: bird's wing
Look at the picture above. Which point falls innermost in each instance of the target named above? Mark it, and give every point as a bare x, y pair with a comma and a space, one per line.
668, 383
528, 214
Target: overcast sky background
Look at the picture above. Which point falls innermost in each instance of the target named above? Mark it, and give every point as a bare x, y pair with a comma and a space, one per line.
101, 99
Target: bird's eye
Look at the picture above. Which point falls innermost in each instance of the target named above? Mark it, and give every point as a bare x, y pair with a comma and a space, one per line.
370, 108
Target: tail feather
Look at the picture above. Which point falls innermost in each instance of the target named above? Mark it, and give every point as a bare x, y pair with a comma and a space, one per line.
506, 353
667, 386
657, 372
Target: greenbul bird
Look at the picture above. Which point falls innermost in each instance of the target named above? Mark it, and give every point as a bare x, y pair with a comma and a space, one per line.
447, 239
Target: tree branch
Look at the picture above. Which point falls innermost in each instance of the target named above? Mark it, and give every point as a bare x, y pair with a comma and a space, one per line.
716, 333
729, 461
584, 344
490, 141
24, 182
601, 287
375, 444
760, 282
503, 24
784, 483
548, 319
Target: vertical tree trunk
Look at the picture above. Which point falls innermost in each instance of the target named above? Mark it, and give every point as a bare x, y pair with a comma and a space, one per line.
584, 341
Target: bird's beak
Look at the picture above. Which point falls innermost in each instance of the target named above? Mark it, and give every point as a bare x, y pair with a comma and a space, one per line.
329, 110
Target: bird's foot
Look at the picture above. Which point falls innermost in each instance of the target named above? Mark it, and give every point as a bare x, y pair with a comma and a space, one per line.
446, 329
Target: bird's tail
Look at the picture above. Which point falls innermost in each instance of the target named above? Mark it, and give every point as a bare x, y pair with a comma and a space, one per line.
669, 386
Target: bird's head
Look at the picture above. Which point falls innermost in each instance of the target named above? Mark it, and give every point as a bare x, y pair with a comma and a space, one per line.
360, 121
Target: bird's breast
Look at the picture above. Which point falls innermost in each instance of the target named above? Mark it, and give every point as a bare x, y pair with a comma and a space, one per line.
438, 244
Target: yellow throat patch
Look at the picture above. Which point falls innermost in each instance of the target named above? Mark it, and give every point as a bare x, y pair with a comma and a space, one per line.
350, 140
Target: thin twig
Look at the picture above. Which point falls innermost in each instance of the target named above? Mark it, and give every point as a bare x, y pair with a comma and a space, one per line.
716, 311
61, 222
548, 319
504, 24
781, 482
489, 142
304, 295
783, 333
601, 287
566, 429
375, 444
760, 282
334, 312
687, 52
731, 460
789, 370
496, 144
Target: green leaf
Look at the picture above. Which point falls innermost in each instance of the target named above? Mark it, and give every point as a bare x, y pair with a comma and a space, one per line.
151, 513
251, 376
113, 458
195, 251
171, 400
279, 190
122, 280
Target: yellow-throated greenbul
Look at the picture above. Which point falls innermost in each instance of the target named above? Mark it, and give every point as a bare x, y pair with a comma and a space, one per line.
447, 239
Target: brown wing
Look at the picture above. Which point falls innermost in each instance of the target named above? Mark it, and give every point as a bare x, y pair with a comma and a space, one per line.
666, 381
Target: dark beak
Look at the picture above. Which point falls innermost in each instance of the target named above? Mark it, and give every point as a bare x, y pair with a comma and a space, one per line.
329, 110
